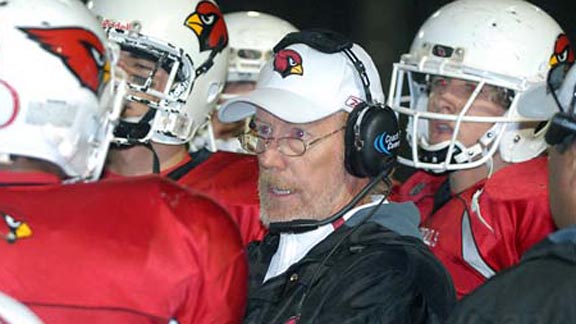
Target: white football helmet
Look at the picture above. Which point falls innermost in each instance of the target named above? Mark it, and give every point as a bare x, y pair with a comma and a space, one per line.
56, 86
506, 44
189, 39
252, 36
14, 312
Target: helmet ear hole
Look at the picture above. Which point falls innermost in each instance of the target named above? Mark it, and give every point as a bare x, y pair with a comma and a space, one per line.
67, 123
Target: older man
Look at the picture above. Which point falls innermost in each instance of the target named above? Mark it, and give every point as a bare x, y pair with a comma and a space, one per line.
332, 255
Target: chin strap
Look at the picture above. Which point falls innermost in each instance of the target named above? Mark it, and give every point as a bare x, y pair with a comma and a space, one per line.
155, 159
490, 165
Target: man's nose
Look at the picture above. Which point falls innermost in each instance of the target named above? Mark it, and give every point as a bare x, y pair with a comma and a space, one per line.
271, 158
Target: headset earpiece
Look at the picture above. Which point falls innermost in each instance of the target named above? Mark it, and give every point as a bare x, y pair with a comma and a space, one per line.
372, 135
371, 140
561, 126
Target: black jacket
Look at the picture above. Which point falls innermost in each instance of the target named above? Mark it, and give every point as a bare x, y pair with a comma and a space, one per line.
540, 289
377, 271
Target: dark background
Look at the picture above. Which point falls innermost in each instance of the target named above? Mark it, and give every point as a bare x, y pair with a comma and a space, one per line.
385, 28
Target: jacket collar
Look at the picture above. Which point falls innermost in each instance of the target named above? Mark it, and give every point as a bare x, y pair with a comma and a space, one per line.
560, 244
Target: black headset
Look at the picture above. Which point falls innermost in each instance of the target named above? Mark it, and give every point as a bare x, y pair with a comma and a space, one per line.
372, 134
562, 129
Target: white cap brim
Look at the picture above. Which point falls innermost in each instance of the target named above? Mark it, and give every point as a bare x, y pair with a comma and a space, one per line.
286, 105
537, 103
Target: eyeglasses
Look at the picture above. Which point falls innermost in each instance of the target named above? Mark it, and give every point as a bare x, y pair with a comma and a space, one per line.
289, 146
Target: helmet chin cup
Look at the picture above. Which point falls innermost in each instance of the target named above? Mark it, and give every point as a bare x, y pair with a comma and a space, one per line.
438, 153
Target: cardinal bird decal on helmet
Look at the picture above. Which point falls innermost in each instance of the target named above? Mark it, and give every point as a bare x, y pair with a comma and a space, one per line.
79, 49
288, 62
208, 24
563, 52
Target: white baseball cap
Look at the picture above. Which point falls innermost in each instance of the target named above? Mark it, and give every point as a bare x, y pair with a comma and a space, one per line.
539, 103
300, 85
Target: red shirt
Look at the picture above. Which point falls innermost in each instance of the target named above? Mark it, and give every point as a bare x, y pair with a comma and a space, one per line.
139, 250
486, 228
232, 180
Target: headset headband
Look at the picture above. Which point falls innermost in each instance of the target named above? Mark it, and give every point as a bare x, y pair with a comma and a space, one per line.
325, 41
329, 42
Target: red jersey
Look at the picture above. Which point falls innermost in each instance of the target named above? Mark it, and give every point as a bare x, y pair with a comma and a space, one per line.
231, 179
139, 250
486, 228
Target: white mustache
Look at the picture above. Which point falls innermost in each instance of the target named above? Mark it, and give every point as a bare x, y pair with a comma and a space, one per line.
267, 181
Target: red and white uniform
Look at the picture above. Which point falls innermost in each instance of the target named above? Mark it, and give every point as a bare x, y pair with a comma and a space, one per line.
232, 180
486, 228
139, 250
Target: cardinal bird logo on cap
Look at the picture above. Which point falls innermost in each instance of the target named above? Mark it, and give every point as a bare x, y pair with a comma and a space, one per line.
208, 24
288, 62
79, 49
563, 52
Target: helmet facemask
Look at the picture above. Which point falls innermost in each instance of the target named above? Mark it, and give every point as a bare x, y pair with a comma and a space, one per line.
164, 87
420, 83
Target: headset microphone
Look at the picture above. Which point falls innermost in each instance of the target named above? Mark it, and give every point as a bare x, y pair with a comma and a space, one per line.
301, 225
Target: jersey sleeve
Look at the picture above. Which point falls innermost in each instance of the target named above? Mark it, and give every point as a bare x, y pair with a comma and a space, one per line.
518, 202
214, 240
